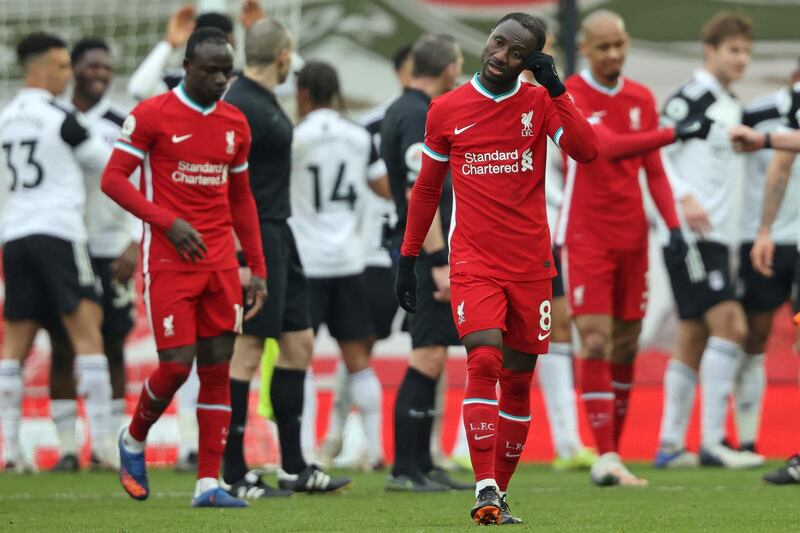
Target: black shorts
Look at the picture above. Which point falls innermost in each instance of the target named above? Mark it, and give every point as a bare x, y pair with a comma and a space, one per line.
46, 275
759, 293
702, 280
558, 281
118, 300
341, 304
287, 305
381, 300
432, 324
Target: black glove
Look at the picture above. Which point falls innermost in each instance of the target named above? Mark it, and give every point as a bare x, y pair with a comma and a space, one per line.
696, 127
405, 284
676, 248
544, 70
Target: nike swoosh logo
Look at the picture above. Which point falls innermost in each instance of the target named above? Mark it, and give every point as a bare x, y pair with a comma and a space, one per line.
182, 138
481, 437
512, 455
459, 131
543, 337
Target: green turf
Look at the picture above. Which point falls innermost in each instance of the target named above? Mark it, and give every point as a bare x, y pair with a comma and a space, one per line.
704, 500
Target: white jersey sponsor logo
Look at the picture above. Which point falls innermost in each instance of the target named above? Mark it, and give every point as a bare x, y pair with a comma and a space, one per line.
497, 162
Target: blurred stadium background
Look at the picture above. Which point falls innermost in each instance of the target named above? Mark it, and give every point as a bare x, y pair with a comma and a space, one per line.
359, 36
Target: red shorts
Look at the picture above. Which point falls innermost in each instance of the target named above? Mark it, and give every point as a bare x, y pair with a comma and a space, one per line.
187, 305
605, 282
521, 309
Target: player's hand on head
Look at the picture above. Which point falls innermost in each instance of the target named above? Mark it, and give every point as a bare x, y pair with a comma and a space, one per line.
696, 127
181, 25
255, 296
124, 266
441, 278
251, 13
405, 284
695, 215
187, 241
544, 70
746, 139
762, 253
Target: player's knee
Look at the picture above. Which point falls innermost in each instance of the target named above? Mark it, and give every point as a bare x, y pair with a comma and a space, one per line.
484, 363
516, 383
594, 345
297, 348
429, 360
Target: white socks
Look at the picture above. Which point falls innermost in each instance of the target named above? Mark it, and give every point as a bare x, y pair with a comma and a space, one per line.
482, 484
205, 484
748, 391
132, 445
717, 370
308, 420
341, 404
187, 413
367, 395
65, 414
11, 407
680, 383
93, 383
555, 376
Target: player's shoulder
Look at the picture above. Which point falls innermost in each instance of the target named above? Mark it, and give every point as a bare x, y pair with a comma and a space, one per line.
575, 82
154, 104
768, 107
373, 116
690, 98
114, 114
637, 89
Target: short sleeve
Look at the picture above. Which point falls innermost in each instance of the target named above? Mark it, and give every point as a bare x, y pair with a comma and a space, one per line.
239, 163
138, 131
437, 141
793, 118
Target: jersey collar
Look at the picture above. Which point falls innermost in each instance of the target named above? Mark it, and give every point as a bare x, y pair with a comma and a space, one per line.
99, 109
586, 74
180, 92
476, 84
708, 80
36, 92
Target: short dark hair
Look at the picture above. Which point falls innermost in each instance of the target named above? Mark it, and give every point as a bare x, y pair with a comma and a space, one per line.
36, 44
321, 81
400, 55
724, 25
535, 25
432, 53
203, 35
214, 20
86, 44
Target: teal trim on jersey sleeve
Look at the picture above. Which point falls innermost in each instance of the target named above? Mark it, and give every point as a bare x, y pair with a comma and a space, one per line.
240, 168
557, 136
129, 149
435, 155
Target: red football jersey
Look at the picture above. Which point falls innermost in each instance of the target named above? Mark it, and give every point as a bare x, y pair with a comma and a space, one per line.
497, 151
602, 200
189, 153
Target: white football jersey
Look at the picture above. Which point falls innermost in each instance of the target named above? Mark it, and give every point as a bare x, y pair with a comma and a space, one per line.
111, 229
46, 150
708, 169
330, 168
766, 114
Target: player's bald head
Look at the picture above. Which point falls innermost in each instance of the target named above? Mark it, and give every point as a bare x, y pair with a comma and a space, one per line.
264, 41
602, 22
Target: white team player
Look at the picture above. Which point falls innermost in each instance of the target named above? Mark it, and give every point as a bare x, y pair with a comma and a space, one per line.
712, 326
380, 218
47, 149
761, 296
331, 163
114, 236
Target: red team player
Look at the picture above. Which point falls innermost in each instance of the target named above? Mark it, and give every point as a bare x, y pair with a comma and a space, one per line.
491, 135
603, 230
193, 151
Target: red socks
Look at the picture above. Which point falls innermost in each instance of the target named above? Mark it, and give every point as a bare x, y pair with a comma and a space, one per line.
480, 408
156, 394
621, 382
513, 422
598, 400
213, 418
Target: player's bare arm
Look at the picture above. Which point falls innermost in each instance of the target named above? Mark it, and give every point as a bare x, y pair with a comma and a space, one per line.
181, 25
695, 215
778, 175
251, 13
746, 139
124, 266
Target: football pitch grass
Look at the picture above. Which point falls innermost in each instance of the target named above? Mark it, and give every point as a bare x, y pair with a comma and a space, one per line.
678, 500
